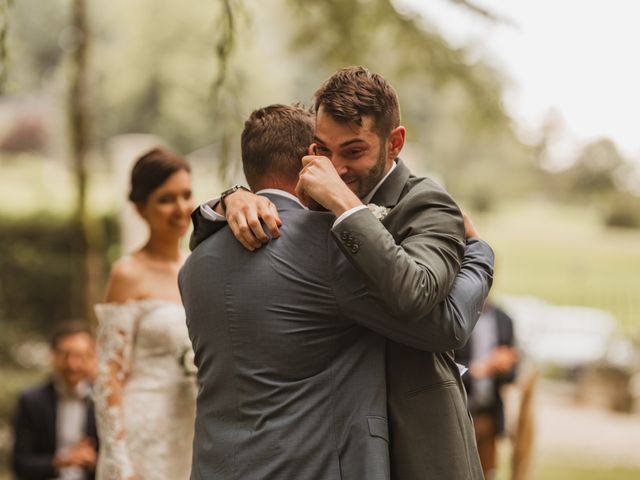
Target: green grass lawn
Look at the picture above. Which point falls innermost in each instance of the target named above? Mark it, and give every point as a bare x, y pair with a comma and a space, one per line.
561, 471
563, 255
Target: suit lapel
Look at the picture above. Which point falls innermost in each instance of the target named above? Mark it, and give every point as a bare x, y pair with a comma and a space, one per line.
90, 424
50, 418
391, 190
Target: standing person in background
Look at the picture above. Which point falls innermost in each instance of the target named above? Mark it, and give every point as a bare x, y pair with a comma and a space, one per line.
145, 392
491, 358
54, 426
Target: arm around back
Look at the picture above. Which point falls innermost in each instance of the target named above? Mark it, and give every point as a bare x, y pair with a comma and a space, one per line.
447, 326
203, 228
412, 268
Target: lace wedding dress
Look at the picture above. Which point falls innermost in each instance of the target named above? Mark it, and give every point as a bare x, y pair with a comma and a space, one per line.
144, 392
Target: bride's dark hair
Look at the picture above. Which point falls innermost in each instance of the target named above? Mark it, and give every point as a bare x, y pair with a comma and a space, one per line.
151, 170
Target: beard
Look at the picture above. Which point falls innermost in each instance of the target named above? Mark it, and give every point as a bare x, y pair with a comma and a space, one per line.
373, 176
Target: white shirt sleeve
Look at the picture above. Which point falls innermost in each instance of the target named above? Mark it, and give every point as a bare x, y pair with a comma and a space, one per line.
208, 212
348, 213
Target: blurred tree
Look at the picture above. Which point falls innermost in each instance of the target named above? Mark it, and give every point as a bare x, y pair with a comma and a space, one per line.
79, 125
190, 75
594, 170
621, 210
4, 27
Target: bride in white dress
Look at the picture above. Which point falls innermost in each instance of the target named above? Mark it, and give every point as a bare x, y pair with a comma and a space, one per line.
145, 389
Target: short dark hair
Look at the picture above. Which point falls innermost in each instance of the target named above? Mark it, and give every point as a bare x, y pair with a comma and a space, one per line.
151, 170
274, 140
66, 329
354, 92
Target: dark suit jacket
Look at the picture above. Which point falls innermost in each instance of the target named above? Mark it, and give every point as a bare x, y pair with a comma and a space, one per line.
35, 434
292, 385
505, 336
409, 263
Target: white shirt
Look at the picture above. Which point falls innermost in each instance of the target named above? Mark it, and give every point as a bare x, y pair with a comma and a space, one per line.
71, 418
366, 199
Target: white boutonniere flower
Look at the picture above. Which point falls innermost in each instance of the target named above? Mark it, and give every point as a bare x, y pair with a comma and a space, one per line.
378, 211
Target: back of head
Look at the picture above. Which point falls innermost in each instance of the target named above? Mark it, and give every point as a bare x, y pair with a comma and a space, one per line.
152, 169
354, 92
274, 140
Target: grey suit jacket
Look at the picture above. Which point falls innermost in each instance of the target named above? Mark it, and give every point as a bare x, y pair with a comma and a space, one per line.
292, 385
415, 251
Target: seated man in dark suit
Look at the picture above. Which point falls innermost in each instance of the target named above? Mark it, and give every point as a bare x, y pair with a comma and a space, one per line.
54, 426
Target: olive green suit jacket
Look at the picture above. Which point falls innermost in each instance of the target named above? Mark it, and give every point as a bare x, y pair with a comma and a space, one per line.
416, 250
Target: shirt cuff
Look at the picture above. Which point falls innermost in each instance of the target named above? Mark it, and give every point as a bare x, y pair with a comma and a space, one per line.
348, 213
207, 211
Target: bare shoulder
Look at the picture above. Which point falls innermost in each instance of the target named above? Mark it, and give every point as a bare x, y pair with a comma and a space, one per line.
125, 279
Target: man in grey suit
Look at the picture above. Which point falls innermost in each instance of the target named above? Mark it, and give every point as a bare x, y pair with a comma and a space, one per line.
292, 383
408, 262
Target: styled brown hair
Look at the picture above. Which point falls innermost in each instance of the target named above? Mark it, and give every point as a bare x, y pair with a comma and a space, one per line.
152, 169
354, 92
66, 329
274, 140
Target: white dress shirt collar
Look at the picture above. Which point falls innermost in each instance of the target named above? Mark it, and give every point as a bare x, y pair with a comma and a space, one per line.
282, 193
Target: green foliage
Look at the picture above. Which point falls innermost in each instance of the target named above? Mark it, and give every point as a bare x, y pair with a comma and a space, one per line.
561, 469
622, 210
594, 169
35, 42
191, 75
37, 282
597, 179
564, 256
4, 27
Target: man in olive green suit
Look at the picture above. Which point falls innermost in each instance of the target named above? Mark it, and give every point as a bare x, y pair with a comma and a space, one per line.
416, 249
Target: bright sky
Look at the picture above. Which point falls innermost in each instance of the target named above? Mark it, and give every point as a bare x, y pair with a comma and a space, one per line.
579, 57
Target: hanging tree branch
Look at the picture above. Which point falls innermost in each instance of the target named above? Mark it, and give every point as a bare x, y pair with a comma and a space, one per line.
489, 15
225, 90
79, 138
4, 29
226, 42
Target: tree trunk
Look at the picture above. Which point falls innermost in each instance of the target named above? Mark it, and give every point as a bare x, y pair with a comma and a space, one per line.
79, 139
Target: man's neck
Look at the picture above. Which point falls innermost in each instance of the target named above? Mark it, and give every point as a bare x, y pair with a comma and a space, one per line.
283, 193
367, 198
274, 185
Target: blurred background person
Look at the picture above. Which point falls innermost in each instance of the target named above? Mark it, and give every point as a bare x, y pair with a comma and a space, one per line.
145, 395
54, 426
491, 357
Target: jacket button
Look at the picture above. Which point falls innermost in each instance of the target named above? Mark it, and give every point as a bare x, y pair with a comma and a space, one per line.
355, 248
344, 235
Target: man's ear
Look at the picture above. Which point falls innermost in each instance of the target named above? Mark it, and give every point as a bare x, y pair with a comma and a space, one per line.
395, 141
